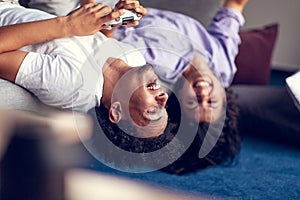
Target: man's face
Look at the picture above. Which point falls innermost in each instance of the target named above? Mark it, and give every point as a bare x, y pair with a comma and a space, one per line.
202, 95
143, 101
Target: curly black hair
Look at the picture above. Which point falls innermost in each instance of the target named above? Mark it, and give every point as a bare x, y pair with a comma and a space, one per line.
225, 150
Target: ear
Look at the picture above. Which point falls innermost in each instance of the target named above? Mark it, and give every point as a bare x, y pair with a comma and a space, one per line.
115, 112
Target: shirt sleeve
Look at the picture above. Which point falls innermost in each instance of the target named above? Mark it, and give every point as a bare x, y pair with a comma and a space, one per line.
54, 81
224, 31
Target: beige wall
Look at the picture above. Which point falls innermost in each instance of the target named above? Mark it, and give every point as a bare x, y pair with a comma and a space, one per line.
287, 13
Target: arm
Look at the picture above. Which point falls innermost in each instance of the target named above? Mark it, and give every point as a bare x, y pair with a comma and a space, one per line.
16, 36
224, 39
236, 4
86, 20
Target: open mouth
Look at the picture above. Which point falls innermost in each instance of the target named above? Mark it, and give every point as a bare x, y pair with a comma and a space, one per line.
203, 82
153, 85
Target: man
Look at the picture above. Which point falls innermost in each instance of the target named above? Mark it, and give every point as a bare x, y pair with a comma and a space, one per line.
155, 113
60, 72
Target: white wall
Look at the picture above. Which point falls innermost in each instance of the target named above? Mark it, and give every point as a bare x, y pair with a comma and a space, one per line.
287, 13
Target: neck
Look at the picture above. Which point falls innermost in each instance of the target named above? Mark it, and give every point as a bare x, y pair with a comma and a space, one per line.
112, 71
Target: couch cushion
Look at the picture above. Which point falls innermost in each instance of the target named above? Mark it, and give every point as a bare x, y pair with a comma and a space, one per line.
255, 54
201, 10
17, 98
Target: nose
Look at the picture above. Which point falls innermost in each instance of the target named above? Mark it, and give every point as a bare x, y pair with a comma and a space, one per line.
162, 99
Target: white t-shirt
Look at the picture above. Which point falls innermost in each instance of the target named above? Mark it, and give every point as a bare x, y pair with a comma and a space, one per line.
67, 72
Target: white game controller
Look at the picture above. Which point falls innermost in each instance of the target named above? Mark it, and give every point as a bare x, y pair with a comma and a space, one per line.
128, 16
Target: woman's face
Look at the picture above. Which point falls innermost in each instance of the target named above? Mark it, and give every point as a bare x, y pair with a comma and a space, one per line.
202, 96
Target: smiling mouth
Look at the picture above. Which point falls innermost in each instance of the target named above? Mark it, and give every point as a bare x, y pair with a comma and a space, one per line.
203, 82
153, 84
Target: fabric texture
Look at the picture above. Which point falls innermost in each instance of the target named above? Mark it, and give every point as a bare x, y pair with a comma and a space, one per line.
169, 43
60, 77
59, 7
15, 97
265, 170
201, 10
255, 54
268, 112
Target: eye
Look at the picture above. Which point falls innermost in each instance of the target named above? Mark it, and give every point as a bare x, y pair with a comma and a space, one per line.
213, 103
191, 104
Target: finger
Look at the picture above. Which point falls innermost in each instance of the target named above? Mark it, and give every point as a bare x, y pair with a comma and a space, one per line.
141, 10
131, 6
103, 11
112, 16
132, 24
106, 27
128, 5
88, 5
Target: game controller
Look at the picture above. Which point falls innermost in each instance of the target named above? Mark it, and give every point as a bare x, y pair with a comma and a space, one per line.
128, 16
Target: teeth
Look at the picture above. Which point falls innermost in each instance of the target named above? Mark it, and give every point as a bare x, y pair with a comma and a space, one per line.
202, 84
154, 86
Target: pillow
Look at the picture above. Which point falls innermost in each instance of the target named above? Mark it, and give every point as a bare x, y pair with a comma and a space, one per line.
17, 98
255, 54
202, 10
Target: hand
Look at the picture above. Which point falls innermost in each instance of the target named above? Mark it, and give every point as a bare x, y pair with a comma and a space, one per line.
89, 19
131, 5
109, 32
236, 4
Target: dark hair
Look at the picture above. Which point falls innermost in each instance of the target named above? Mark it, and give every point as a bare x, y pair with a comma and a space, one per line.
225, 150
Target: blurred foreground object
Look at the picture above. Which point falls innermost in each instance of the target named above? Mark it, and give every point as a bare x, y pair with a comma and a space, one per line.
32, 155
37, 165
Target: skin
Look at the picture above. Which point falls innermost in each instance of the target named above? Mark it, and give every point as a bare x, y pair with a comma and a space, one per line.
133, 95
75, 24
202, 95
122, 4
236, 4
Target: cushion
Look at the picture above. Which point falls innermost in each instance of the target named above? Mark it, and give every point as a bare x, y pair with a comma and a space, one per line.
202, 10
255, 54
17, 98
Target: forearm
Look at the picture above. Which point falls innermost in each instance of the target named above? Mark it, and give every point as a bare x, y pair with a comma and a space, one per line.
86, 20
19, 35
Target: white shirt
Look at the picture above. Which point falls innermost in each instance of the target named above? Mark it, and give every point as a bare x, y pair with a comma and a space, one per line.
67, 72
